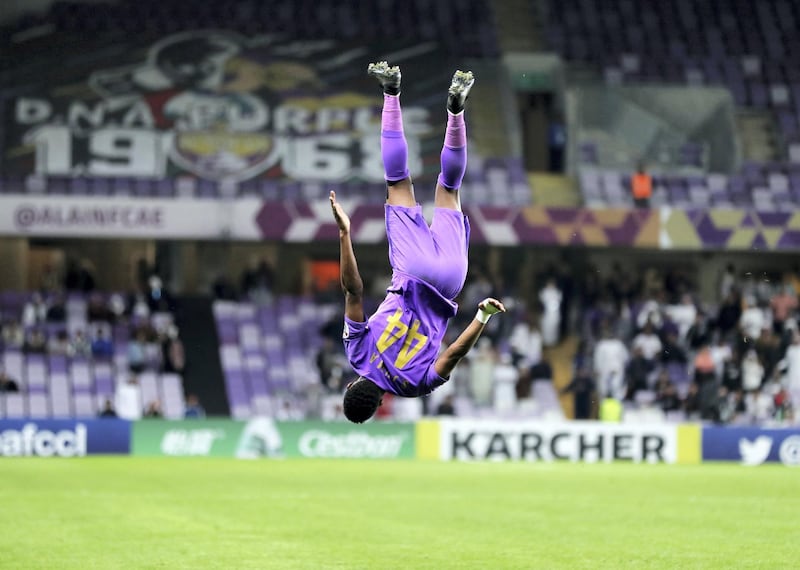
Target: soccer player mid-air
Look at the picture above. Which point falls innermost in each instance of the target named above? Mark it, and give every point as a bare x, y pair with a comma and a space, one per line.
397, 349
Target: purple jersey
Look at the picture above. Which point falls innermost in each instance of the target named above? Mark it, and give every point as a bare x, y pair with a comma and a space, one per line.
397, 347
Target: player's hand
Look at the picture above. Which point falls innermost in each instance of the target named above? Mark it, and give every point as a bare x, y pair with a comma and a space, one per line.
491, 306
342, 219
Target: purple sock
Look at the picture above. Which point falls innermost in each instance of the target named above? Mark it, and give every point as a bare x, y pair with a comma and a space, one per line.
394, 148
454, 152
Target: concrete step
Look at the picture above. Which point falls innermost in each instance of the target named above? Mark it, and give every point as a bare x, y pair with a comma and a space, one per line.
758, 136
554, 190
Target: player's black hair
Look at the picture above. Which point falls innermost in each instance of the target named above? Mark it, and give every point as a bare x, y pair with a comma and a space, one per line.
361, 400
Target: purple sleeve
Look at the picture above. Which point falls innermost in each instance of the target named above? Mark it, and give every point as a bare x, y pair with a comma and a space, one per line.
356, 344
432, 379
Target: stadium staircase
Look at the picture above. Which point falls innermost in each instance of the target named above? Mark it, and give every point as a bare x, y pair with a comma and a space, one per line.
554, 191
204, 370
561, 358
758, 136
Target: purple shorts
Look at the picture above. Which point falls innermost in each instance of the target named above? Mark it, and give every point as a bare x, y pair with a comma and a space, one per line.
437, 254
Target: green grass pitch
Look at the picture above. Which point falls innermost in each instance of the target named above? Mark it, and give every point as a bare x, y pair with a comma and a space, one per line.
320, 514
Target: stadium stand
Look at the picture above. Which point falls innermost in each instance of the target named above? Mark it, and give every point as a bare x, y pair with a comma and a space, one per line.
67, 374
268, 352
633, 43
698, 368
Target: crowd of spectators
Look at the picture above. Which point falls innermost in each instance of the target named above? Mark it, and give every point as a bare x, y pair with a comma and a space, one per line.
139, 322
652, 343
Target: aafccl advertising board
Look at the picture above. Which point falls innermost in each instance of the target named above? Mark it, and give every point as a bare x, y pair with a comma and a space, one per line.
545, 441
752, 445
63, 438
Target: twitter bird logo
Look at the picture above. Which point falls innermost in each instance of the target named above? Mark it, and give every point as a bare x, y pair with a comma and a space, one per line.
755, 452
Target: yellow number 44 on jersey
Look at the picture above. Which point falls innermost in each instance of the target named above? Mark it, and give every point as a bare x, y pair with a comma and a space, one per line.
396, 330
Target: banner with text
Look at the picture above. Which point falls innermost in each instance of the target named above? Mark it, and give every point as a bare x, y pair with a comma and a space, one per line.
751, 445
110, 217
265, 437
63, 438
543, 441
220, 106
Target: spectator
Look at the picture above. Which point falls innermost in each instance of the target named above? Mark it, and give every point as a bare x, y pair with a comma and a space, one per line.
34, 312
691, 404
610, 409
525, 343
60, 344
727, 281
223, 289
648, 342
610, 357
683, 315
108, 410
650, 312
672, 351
582, 389
699, 333
760, 406
173, 355
637, 373
792, 363
256, 282
783, 304
7, 383
97, 309
128, 399
193, 408
36, 343
550, 298
704, 369
732, 373
116, 307
102, 346
641, 187
782, 404
81, 345
738, 407
137, 358
153, 410
446, 407
752, 372
13, 335
770, 351
710, 399
753, 320
729, 314
139, 308
720, 353
329, 365
666, 394
481, 372
57, 311
505, 379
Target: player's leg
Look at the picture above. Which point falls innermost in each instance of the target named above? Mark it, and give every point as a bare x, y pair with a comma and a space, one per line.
394, 148
454, 150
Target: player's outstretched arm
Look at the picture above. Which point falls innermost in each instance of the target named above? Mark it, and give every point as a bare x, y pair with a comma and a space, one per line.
466, 340
352, 284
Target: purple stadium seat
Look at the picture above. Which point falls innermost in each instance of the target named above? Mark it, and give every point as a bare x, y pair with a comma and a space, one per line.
38, 405
15, 406
84, 405
172, 389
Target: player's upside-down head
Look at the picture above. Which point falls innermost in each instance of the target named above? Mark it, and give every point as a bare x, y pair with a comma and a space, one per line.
361, 399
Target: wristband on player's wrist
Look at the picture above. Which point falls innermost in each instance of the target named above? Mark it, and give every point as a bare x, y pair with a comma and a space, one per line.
483, 316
